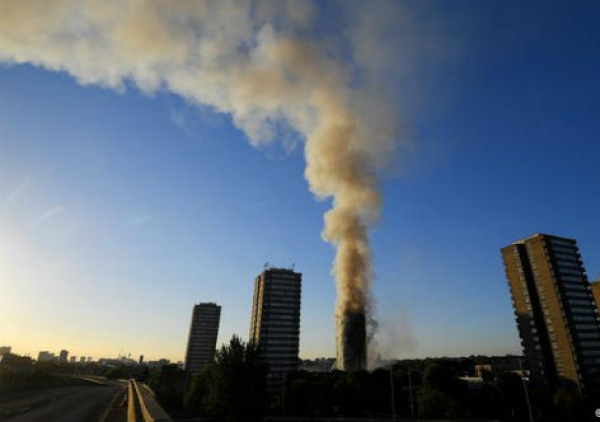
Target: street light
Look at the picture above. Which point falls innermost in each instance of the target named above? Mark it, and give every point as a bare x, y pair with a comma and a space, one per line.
526, 393
392, 392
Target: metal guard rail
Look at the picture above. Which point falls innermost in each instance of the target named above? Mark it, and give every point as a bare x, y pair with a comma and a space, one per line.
142, 405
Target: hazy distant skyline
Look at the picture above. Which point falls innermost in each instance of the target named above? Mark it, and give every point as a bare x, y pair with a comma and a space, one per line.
121, 210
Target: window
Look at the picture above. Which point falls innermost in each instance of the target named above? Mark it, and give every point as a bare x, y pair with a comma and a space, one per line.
590, 344
566, 257
579, 302
571, 278
584, 318
575, 287
558, 241
586, 326
568, 264
588, 335
583, 311
583, 294
569, 271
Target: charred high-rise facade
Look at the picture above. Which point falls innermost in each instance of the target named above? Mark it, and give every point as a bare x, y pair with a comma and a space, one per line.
352, 342
556, 314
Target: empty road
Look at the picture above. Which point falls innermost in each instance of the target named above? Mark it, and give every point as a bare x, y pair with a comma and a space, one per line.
65, 404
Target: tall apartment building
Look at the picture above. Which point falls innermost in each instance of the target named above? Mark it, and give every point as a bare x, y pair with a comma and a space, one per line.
556, 315
275, 322
202, 340
63, 355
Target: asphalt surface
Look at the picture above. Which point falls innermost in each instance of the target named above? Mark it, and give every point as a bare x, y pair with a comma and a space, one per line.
65, 404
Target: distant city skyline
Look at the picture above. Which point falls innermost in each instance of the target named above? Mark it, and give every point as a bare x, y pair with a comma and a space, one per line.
122, 208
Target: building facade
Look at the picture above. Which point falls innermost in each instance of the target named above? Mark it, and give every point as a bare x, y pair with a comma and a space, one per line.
202, 340
45, 356
556, 314
275, 322
63, 355
596, 293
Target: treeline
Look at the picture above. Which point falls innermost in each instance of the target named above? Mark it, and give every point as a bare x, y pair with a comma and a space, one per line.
20, 373
233, 388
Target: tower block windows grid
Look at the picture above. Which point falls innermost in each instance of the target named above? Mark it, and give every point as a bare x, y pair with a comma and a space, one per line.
275, 322
556, 313
202, 341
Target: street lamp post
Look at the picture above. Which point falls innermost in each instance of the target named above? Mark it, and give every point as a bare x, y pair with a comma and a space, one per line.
392, 392
412, 408
526, 392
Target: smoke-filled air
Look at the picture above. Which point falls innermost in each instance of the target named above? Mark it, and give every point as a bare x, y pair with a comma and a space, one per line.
259, 62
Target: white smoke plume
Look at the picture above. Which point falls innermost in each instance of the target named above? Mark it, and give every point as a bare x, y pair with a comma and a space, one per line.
391, 338
259, 62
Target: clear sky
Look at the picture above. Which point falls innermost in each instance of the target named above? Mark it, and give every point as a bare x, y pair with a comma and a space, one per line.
121, 209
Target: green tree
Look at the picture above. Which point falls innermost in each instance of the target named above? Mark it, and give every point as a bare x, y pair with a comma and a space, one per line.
510, 388
117, 372
233, 387
308, 394
569, 405
350, 393
168, 383
442, 394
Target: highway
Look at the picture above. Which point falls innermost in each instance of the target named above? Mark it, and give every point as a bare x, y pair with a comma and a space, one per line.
65, 404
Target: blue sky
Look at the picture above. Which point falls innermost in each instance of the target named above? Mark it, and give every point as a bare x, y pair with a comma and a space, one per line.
119, 211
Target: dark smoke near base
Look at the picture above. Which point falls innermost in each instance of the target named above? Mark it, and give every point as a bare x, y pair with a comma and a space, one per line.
352, 342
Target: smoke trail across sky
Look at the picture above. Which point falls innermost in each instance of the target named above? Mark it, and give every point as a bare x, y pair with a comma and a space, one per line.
259, 62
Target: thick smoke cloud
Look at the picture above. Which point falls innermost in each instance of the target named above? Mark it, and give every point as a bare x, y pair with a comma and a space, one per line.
258, 62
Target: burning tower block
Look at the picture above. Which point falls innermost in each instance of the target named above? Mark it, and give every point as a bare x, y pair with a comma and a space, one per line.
352, 342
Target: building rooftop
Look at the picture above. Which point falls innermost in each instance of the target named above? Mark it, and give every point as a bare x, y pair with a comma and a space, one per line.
533, 236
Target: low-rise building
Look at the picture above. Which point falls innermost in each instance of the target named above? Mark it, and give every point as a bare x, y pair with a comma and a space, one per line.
45, 356
158, 363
